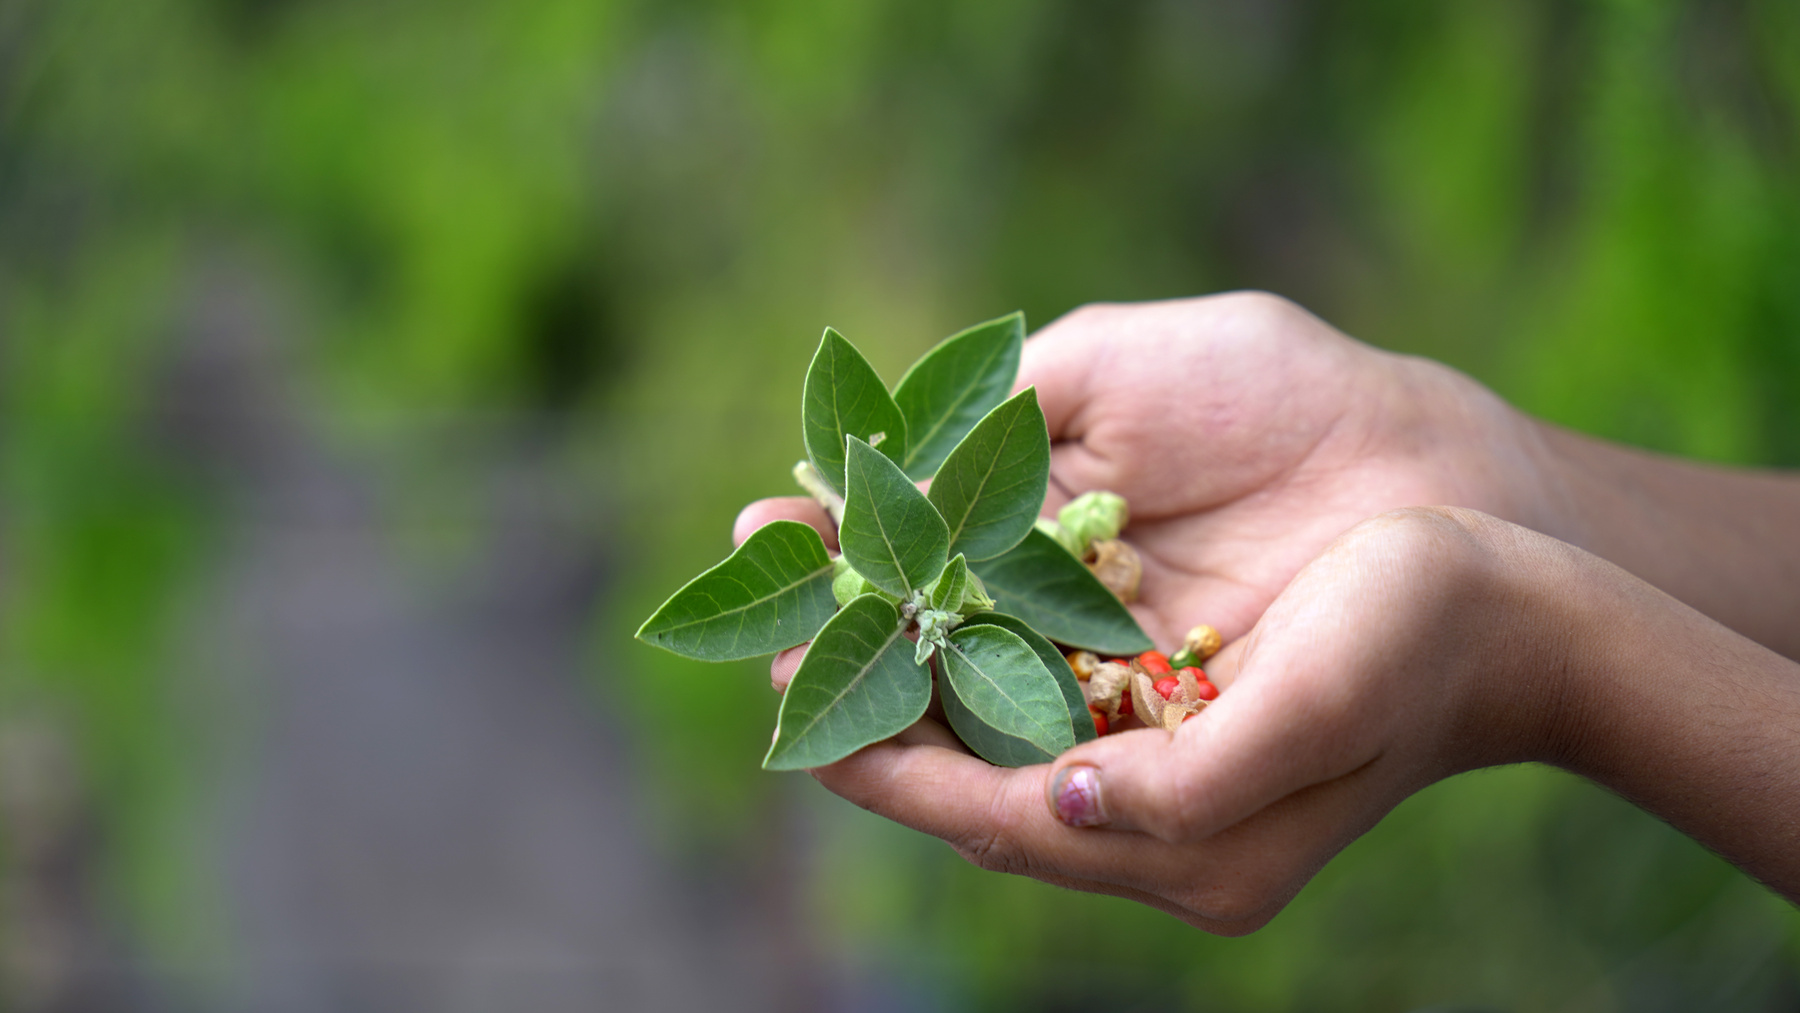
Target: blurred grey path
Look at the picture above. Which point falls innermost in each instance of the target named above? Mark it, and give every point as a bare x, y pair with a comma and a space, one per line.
423, 806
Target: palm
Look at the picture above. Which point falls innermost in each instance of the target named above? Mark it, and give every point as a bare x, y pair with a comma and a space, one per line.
1246, 434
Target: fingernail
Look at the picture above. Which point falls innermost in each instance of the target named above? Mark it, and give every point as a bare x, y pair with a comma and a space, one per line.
1075, 796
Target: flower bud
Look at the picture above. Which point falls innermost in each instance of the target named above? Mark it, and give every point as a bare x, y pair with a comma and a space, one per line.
1061, 534
1093, 517
975, 597
848, 584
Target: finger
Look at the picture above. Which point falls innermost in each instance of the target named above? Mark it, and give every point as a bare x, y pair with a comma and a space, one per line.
1222, 668
996, 818
1061, 361
1261, 742
790, 508
783, 666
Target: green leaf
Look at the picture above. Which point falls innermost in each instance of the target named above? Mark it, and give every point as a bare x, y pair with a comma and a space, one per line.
1005, 684
1039, 582
954, 386
857, 684
772, 593
988, 742
947, 593
1054, 661
992, 485
891, 533
845, 397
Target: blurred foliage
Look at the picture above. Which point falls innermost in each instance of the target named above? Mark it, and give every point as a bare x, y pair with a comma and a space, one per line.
630, 220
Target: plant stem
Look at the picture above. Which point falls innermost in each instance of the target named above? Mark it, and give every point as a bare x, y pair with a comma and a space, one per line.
808, 477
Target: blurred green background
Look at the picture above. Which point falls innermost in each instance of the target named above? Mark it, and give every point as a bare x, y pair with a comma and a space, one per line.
426, 254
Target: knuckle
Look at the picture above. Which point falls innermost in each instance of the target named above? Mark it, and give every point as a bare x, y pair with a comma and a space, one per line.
1235, 908
1094, 312
1261, 310
994, 845
1173, 813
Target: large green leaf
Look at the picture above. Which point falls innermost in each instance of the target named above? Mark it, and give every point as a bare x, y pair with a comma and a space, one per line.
891, 533
857, 684
772, 593
992, 485
845, 397
1003, 681
954, 386
1053, 660
1039, 582
988, 742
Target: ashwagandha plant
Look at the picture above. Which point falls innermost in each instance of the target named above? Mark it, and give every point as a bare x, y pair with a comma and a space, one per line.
961, 567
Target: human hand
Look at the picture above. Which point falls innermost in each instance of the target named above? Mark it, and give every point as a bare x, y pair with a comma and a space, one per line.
1247, 435
1396, 658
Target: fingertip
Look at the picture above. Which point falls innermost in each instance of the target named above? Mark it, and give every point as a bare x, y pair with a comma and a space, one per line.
783, 666
778, 508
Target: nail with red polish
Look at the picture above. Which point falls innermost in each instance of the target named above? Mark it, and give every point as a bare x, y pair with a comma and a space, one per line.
1075, 796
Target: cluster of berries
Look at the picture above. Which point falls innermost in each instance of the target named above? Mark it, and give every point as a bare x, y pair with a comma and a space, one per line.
1153, 688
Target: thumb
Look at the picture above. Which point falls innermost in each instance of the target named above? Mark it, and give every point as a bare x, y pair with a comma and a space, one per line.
1256, 745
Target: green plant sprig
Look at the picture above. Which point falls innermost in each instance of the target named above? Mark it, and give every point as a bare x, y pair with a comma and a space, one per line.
984, 595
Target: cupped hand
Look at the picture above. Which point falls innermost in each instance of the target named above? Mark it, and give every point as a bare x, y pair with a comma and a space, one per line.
1248, 437
1382, 667
1366, 660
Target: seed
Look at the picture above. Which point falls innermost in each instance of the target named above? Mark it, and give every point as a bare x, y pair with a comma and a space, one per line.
1208, 691
1167, 685
1155, 662
1125, 705
1190, 717
1083, 664
1203, 642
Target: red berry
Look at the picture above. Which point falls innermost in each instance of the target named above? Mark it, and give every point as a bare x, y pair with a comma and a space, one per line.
1198, 675
1125, 703
1099, 721
1208, 691
1155, 662
1189, 717
1167, 685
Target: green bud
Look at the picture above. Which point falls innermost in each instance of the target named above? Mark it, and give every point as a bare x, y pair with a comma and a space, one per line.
848, 584
1093, 517
1058, 532
934, 629
975, 597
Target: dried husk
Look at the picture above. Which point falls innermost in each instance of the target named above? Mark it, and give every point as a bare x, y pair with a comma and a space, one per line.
1175, 713
1203, 642
1117, 566
1189, 693
1146, 699
1105, 688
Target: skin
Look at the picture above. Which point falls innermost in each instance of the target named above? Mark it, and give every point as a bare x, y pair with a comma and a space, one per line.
1413, 579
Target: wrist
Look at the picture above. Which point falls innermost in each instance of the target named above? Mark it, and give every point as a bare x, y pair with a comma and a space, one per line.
1484, 453
1527, 674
